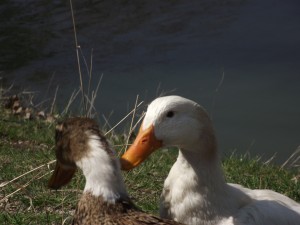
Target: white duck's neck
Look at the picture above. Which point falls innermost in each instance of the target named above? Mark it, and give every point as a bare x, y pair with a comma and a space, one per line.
102, 173
207, 171
202, 159
195, 191
196, 186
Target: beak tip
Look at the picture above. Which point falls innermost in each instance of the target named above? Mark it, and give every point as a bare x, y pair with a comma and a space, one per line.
60, 177
125, 164
53, 183
53, 186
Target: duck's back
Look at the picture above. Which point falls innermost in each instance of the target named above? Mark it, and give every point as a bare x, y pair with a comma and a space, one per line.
93, 210
266, 208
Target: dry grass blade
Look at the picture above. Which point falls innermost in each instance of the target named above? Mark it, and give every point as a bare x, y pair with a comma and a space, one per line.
42, 102
91, 107
6, 90
270, 160
49, 85
84, 61
65, 221
71, 100
132, 119
106, 121
54, 100
125, 145
139, 120
293, 160
36, 177
90, 72
132, 129
87, 100
124, 118
213, 104
77, 56
93, 98
28, 172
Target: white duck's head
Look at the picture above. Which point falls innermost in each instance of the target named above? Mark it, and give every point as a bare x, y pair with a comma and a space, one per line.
172, 121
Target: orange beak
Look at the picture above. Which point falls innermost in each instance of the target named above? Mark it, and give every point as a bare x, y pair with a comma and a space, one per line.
61, 176
144, 144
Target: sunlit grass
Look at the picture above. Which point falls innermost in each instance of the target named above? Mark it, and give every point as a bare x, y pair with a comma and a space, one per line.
254, 174
25, 145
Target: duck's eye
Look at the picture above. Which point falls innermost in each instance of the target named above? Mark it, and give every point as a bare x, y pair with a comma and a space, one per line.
170, 114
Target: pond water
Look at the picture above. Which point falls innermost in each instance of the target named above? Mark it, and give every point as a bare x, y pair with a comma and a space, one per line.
240, 59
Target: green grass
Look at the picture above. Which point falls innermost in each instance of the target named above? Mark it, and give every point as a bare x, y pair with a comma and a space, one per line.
252, 173
25, 145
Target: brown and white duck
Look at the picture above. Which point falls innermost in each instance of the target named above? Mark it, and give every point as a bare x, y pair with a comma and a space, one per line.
195, 191
80, 143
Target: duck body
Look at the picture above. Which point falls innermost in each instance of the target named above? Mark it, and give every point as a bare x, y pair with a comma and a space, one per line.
195, 191
221, 203
95, 210
105, 201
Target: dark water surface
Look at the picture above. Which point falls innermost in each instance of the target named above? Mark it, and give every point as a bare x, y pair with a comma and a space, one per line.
240, 59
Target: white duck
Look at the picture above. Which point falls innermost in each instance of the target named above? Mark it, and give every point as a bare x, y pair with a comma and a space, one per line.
195, 191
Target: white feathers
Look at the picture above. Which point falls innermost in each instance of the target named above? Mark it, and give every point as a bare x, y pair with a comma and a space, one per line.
195, 191
102, 173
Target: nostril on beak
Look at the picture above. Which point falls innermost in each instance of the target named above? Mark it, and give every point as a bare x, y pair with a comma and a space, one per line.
144, 140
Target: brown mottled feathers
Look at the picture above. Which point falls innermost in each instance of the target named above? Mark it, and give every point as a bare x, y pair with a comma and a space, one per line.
71, 139
92, 210
71, 145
